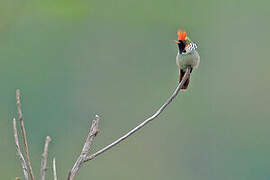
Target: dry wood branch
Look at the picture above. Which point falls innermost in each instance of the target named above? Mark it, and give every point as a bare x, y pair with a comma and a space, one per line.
86, 148
18, 102
84, 156
54, 169
44, 158
19, 153
157, 113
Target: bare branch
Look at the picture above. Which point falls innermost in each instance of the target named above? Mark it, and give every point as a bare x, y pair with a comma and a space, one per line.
18, 102
84, 156
157, 113
54, 169
18, 149
44, 158
86, 148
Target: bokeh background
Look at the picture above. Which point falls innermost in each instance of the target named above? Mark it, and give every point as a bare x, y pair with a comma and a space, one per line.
75, 59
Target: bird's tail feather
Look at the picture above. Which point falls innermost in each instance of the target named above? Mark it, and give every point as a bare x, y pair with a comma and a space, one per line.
181, 75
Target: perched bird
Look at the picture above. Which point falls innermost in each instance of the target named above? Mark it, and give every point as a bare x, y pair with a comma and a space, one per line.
187, 56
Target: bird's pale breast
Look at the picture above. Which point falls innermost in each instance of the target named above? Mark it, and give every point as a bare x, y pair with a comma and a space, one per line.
190, 59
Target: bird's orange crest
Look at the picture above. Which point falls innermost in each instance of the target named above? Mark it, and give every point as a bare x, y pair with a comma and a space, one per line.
181, 35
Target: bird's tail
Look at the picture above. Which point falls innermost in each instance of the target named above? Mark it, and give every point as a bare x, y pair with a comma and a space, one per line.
181, 75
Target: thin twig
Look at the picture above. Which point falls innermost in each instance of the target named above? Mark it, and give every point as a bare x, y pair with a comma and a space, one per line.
44, 158
86, 148
157, 113
18, 102
54, 169
18, 149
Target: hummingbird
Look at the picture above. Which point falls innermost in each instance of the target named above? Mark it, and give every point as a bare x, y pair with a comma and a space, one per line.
187, 56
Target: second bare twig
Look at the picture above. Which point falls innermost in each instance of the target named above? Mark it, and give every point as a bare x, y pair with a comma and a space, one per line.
44, 158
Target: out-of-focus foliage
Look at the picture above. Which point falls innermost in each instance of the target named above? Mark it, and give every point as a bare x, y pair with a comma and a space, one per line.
73, 59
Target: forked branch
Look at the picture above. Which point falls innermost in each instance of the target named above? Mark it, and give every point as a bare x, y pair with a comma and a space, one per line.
19, 153
86, 148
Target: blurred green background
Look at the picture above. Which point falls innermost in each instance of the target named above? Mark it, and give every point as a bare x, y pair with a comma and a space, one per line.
75, 59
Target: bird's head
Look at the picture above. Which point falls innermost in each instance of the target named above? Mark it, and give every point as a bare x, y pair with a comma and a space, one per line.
182, 41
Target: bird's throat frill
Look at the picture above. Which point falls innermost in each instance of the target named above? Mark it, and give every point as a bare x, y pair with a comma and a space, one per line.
181, 47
